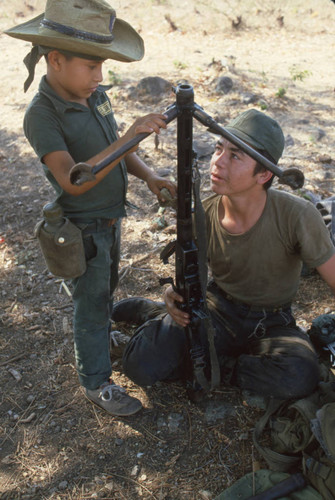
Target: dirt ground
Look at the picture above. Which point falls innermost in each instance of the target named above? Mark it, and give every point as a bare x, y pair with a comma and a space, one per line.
53, 443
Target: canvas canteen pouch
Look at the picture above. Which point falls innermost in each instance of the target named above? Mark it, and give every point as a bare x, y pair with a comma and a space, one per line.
61, 243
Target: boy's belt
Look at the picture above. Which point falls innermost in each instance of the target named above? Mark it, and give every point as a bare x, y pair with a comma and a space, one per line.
94, 226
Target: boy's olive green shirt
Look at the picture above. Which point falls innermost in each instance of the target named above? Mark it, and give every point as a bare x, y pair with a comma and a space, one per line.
262, 266
53, 124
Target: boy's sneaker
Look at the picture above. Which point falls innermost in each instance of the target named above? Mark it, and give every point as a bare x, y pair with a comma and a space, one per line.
114, 400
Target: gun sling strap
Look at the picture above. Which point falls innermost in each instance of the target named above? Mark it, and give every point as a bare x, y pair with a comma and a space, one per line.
201, 236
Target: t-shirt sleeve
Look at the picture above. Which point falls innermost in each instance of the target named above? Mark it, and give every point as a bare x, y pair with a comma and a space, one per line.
43, 131
314, 241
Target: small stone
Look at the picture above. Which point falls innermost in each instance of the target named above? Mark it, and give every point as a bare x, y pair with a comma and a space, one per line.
153, 85
63, 485
164, 172
203, 149
263, 104
15, 374
174, 421
249, 98
218, 411
289, 141
205, 495
135, 470
109, 486
316, 134
224, 84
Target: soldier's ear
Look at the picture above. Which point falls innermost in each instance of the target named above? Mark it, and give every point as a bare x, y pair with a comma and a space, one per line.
264, 176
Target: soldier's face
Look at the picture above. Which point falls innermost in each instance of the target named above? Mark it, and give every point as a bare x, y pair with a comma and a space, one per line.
231, 170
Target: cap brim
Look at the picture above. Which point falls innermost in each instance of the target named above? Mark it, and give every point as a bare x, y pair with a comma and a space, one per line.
244, 137
127, 45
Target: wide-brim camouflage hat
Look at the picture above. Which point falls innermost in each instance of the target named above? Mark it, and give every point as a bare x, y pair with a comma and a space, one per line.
88, 27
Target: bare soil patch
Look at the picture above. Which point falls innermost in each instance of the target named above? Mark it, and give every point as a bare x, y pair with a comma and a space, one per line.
53, 443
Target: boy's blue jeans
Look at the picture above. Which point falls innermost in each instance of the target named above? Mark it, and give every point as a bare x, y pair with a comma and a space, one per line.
93, 302
263, 351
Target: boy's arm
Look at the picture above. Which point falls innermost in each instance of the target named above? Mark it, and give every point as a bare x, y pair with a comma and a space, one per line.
137, 167
60, 162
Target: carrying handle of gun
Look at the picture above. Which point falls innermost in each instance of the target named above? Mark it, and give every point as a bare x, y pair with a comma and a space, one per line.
293, 177
83, 172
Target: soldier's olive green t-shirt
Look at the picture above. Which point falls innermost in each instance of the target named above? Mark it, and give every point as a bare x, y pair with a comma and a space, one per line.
262, 267
53, 124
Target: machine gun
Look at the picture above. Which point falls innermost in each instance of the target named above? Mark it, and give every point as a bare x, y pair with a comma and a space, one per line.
190, 277
188, 281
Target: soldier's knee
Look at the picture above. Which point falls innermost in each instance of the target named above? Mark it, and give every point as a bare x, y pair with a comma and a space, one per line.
140, 377
303, 376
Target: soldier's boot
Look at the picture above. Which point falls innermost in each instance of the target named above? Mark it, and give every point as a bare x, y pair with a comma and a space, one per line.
137, 310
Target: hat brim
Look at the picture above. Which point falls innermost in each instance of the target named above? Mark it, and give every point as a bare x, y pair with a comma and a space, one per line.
127, 45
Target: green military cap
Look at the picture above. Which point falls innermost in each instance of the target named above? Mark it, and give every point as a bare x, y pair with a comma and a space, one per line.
259, 131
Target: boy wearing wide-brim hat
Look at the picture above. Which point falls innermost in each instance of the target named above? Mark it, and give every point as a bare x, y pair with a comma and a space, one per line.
70, 120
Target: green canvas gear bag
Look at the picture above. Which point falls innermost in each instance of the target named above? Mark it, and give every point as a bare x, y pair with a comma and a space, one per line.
61, 243
322, 331
302, 436
253, 484
322, 335
319, 460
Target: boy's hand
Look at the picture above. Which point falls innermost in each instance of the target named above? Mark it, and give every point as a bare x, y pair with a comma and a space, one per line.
156, 183
152, 122
170, 298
